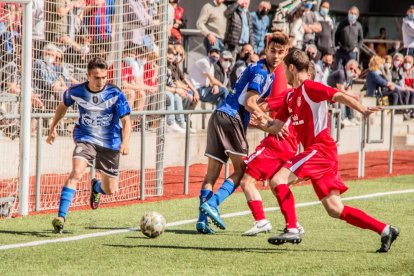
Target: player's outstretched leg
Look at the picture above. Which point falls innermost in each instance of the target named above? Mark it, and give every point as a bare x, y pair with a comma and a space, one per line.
66, 198
359, 218
255, 203
96, 191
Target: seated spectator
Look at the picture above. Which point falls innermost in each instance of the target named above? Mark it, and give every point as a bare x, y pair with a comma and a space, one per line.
239, 26
174, 95
342, 79
323, 68
62, 70
243, 58
178, 21
202, 77
223, 67
46, 82
312, 53
377, 85
408, 77
386, 69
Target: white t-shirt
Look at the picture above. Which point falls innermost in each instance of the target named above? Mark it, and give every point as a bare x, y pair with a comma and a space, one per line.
198, 71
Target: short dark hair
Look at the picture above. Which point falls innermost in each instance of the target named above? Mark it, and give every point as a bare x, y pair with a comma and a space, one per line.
298, 58
279, 38
214, 50
97, 62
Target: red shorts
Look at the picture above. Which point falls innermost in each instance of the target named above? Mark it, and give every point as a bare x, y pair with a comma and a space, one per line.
321, 170
263, 163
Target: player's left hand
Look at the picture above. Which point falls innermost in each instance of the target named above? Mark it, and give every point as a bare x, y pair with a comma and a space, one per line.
124, 150
372, 109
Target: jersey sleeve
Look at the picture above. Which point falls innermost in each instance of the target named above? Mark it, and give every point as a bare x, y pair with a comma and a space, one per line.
258, 80
319, 92
283, 113
122, 106
67, 99
276, 102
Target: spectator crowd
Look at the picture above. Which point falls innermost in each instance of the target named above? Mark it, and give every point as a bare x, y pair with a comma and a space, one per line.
68, 33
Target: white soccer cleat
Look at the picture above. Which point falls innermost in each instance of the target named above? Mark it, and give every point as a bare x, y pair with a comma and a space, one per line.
261, 226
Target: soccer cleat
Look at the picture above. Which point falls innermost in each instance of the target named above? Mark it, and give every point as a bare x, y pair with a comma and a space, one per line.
288, 236
214, 214
387, 240
299, 227
262, 226
95, 197
58, 224
203, 228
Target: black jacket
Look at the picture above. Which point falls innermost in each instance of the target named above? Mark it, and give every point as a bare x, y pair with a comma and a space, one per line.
348, 36
234, 25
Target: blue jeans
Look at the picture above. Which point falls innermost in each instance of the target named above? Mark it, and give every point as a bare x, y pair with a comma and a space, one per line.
175, 103
207, 96
342, 57
218, 45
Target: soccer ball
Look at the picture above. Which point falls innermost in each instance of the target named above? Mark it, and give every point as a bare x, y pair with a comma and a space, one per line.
152, 224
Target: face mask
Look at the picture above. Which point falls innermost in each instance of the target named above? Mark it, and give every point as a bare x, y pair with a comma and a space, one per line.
308, 6
326, 65
387, 66
226, 64
246, 56
352, 18
263, 12
311, 57
411, 16
49, 59
407, 66
213, 60
324, 11
350, 74
397, 64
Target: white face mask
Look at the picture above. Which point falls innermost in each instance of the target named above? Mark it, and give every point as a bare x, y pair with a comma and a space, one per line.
226, 64
387, 66
49, 59
407, 66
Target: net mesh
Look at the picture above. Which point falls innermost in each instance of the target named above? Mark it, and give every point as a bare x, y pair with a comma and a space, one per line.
129, 34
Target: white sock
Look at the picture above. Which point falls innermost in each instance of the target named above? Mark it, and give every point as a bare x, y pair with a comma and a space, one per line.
385, 231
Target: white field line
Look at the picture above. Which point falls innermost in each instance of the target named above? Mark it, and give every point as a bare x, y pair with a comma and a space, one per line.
189, 221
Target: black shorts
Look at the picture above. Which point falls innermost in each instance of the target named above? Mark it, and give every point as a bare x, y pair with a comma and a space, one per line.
106, 160
225, 134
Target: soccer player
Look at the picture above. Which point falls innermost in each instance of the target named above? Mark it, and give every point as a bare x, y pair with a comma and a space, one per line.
227, 130
269, 157
307, 107
98, 135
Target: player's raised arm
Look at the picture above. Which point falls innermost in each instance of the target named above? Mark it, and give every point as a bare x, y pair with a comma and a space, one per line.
345, 99
59, 114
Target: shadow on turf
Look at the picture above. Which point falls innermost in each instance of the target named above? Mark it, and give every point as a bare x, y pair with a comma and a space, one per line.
106, 228
39, 234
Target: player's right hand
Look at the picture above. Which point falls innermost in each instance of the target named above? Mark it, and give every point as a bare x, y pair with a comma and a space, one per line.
51, 137
369, 110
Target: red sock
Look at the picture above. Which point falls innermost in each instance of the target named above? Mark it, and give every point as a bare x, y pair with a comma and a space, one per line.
256, 206
361, 219
286, 202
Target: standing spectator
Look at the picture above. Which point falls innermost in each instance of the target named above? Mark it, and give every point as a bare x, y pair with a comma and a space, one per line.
324, 38
56, 18
349, 37
38, 14
312, 53
239, 26
381, 48
342, 79
223, 67
202, 77
178, 21
310, 24
212, 23
261, 24
243, 59
408, 31
296, 30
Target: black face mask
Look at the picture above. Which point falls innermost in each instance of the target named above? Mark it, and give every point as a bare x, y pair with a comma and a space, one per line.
264, 12
246, 56
314, 59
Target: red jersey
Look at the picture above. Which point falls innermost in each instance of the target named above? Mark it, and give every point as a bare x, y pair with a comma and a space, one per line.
278, 87
126, 73
307, 107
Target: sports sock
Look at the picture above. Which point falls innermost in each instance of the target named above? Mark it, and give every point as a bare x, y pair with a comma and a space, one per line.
256, 206
361, 219
97, 187
226, 189
66, 197
204, 196
286, 202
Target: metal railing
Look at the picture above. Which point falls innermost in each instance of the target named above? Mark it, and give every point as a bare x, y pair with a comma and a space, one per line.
365, 137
